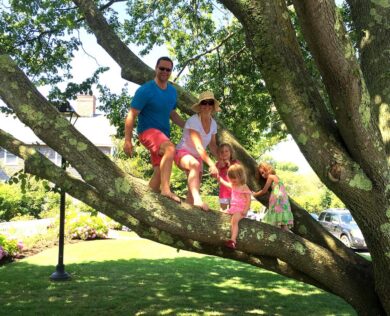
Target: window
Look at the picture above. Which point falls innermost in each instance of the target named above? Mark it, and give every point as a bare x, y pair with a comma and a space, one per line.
9, 158
50, 154
105, 150
347, 218
327, 217
334, 218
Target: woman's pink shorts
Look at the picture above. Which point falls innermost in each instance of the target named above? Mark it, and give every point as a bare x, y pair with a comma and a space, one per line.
180, 153
152, 139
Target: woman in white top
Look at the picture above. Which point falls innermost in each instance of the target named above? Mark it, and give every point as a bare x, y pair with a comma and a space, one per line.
199, 131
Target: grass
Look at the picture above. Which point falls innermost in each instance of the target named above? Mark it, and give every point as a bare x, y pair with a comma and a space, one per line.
132, 276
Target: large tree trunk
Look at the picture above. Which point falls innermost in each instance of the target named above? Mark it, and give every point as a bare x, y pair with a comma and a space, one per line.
343, 161
371, 24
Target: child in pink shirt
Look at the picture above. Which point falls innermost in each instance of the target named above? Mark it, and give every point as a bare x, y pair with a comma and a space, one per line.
240, 201
225, 160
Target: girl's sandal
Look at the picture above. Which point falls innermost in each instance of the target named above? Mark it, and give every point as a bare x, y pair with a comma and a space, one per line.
230, 244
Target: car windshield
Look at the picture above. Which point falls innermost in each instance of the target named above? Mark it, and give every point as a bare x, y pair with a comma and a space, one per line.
347, 219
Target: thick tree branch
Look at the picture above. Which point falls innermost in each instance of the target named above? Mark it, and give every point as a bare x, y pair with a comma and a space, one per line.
37, 164
371, 25
133, 69
334, 54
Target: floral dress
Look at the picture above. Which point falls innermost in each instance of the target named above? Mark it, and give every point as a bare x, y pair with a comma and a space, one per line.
279, 209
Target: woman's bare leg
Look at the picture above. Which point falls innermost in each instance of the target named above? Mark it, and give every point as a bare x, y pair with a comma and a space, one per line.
192, 166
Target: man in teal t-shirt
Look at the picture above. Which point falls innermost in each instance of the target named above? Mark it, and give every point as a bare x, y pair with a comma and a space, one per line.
154, 103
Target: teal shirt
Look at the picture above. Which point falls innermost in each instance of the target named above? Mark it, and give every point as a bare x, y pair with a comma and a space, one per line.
155, 106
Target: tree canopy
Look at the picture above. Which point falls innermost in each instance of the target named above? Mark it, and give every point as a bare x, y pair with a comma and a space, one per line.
322, 70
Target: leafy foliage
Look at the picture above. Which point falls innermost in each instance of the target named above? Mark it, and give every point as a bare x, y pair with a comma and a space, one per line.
308, 190
33, 201
73, 89
38, 34
115, 107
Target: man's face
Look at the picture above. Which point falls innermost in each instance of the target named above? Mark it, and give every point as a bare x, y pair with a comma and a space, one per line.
163, 70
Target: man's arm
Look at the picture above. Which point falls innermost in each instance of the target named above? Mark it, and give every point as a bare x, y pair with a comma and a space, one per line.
129, 125
176, 118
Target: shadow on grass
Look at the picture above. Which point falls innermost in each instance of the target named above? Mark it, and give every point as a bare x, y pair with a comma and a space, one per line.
182, 286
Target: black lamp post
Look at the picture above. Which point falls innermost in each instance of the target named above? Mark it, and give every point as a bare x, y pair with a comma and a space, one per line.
60, 274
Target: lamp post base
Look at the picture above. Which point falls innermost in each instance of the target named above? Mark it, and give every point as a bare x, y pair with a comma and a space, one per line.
60, 275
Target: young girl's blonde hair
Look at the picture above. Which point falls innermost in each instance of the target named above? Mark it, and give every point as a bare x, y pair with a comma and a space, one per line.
236, 171
267, 167
228, 146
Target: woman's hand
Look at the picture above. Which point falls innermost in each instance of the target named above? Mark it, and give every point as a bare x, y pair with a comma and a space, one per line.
213, 171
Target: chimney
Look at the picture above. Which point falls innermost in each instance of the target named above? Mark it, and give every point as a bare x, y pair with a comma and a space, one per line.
85, 105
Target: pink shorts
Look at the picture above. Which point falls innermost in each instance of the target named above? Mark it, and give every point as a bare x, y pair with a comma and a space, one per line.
152, 139
180, 153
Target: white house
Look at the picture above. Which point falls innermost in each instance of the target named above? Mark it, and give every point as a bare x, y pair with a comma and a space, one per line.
96, 127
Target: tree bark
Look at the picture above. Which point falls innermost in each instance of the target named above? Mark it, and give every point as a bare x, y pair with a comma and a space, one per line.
371, 25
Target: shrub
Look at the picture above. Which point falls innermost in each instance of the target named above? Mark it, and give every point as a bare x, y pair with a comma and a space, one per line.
81, 225
9, 248
16, 203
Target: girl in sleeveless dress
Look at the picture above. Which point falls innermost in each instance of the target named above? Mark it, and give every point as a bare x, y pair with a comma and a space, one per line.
279, 209
240, 200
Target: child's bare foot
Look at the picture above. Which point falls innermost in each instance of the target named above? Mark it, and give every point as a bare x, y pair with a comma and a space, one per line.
172, 196
202, 205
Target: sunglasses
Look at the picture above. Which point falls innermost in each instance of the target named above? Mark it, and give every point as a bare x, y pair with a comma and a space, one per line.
207, 102
165, 69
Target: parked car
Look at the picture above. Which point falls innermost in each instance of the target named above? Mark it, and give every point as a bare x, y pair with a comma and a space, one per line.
341, 224
255, 216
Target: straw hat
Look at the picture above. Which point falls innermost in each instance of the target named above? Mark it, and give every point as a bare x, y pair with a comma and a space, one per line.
207, 95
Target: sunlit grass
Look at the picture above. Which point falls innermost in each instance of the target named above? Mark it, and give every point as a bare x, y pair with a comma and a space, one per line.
137, 277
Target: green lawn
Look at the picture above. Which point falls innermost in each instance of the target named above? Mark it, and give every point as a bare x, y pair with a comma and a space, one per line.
132, 276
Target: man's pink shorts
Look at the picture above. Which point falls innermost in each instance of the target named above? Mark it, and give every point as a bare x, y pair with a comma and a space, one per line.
152, 139
181, 153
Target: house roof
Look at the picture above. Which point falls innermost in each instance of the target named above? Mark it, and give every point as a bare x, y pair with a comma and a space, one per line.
96, 128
